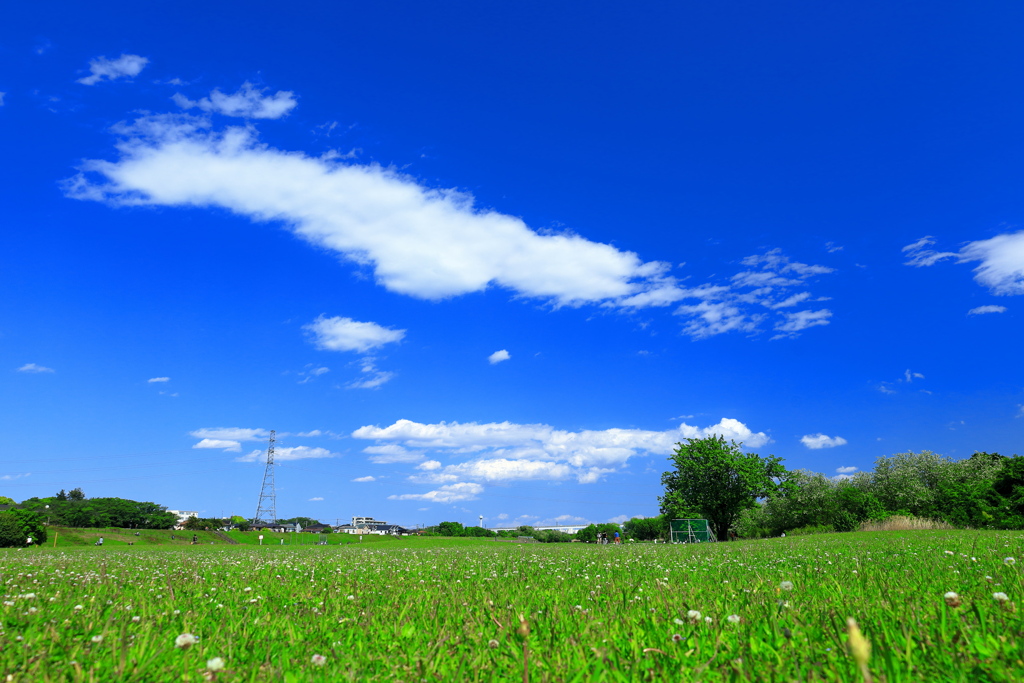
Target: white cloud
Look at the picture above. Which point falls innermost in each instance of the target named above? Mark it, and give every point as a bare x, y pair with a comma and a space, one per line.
365, 479
801, 320
12, 477
2, 98
33, 368
619, 519
752, 295
846, 470
224, 444
451, 493
345, 334
153, 380
248, 102
391, 453
980, 310
419, 241
283, 453
909, 376
102, 68
372, 377
503, 515
316, 499
1001, 260
818, 441
505, 451
429, 465
315, 432
231, 433
498, 356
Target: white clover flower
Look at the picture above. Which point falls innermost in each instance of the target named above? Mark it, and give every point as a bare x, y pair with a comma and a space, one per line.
952, 599
676, 637
246, 589
1009, 561
949, 552
693, 615
786, 585
1000, 597
492, 643
708, 620
185, 641
97, 639
136, 620
318, 660
78, 607
733, 618
679, 622
215, 664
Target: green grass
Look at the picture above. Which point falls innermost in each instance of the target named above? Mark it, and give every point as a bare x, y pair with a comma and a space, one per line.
474, 610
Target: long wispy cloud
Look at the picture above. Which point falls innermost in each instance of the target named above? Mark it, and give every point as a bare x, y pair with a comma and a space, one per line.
104, 69
1000, 260
247, 102
32, 368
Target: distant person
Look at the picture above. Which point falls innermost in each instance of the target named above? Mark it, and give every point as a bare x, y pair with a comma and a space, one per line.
195, 539
617, 538
100, 542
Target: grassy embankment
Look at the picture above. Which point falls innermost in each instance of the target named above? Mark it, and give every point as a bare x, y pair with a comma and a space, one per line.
935, 606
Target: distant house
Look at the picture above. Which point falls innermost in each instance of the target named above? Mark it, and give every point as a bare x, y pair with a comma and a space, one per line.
276, 528
363, 521
318, 529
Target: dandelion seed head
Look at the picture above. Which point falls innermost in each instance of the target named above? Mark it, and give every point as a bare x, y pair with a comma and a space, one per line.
186, 640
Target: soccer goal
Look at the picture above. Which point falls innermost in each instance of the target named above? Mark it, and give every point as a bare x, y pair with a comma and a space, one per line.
691, 531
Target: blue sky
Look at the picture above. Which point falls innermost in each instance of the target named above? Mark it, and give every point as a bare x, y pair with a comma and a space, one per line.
497, 258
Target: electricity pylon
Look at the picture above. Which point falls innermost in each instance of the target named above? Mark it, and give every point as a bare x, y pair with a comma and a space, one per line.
266, 511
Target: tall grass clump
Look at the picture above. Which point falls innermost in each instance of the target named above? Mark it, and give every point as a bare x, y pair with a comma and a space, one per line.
905, 523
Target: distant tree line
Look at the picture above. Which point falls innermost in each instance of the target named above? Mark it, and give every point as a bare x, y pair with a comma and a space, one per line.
73, 509
984, 491
755, 496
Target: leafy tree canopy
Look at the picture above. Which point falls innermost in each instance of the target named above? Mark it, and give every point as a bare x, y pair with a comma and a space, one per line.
716, 478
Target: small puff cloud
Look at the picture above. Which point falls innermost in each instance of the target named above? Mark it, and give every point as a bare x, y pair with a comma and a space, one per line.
818, 441
124, 66
498, 356
316, 498
152, 380
981, 310
248, 102
365, 479
33, 368
346, 334
846, 470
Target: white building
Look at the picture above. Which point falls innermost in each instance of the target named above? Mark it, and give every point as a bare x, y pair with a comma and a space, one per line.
183, 515
363, 521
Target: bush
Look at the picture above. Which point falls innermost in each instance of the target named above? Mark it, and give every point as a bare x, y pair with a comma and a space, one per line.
17, 526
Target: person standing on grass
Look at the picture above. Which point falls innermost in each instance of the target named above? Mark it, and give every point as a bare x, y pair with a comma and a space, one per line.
617, 541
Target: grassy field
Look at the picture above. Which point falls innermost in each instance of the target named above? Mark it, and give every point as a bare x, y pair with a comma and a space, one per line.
466, 609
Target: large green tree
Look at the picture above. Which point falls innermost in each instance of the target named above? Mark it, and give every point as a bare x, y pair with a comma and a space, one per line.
716, 479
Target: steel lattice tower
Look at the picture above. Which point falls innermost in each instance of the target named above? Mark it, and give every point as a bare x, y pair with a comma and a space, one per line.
266, 511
